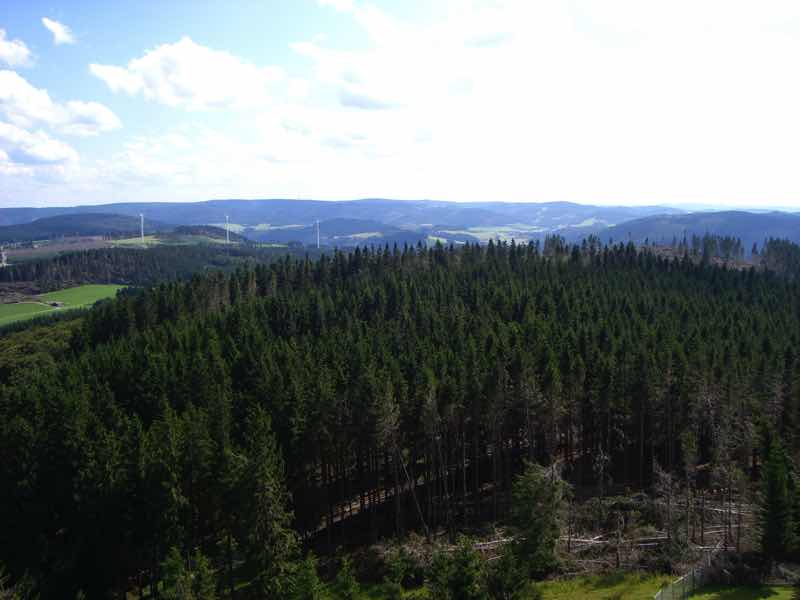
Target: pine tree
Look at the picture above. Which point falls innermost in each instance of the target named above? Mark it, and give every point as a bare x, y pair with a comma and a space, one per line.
305, 583
345, 586
508, 580
270, 542
536, 500
192, 581
458, 575
776, 510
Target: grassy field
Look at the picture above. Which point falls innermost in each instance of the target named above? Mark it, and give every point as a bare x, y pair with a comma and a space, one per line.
168, 240
722, 592
612, 586
18, 312
77, 297
82, 295
149, 240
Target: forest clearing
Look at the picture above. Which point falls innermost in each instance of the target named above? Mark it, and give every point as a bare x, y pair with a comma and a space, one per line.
29, 307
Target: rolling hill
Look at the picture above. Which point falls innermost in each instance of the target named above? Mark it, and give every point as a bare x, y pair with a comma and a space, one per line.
78, 224
202, 231
337, 232
399, 213
379, 221
750, 227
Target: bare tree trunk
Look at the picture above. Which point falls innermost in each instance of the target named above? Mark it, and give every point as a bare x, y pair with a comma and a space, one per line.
739, 526
398, 525
688, 509
464, 474
703, 519
494, 477
476, 468
231, 585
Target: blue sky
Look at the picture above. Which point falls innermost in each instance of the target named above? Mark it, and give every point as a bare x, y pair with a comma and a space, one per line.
597, 101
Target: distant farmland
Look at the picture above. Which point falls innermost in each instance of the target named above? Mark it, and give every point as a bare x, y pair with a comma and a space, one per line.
37, 306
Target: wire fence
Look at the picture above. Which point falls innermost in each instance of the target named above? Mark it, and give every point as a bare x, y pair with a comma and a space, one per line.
700, 575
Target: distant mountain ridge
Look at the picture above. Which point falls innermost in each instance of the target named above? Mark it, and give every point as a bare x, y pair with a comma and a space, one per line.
400, 213
209, 231
381, 221
750, 227
83, 224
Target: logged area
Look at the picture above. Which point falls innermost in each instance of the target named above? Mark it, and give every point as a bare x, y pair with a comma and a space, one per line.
573, 409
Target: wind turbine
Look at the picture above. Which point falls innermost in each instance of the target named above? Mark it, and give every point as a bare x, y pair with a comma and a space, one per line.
317, 234
227, 232
141, 225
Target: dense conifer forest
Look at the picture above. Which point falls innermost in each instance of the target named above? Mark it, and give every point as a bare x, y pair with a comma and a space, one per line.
235, 421
138, 266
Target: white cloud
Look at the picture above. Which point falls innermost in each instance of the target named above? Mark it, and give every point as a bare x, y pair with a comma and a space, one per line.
119, 79
607, 101
13, 52
31, 149
28, 106
61, 33
190, 75
615, 101
88, 118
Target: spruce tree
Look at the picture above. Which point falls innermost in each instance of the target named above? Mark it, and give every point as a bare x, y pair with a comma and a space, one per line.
458, 575
270, 543
536, 500
305, 583
345, 586
776, 510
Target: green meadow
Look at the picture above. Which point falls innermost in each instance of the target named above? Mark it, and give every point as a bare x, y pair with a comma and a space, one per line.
725, 592
76, 297
610, 586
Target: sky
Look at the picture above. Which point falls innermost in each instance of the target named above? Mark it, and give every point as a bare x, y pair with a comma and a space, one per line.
595, 101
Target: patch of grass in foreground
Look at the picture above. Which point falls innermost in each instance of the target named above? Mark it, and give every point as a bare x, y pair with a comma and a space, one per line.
377, 591
729, 592
609, 586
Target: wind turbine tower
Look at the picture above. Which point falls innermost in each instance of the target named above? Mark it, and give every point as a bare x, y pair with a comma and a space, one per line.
227, 231
141, 226
317, 234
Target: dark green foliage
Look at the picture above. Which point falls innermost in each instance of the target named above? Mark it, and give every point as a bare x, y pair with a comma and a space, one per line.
508, 580
21, 590
537, 497
781, 256
458, 575
87, 224
187, 580
777, 529
379, 391
304, 582
270, 542
398, 568
346, 586
135, 266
